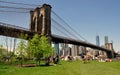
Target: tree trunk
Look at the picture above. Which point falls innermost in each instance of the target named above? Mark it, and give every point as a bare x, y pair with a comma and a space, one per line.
14, 45
6, 42
10, 44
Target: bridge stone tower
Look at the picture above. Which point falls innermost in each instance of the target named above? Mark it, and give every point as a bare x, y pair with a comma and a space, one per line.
110, 47
40, 20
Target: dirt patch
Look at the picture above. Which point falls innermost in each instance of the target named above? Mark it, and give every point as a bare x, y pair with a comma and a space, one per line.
27, 65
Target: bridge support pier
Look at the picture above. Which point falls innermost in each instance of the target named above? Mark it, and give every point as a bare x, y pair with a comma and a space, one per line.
56, 47
110, 54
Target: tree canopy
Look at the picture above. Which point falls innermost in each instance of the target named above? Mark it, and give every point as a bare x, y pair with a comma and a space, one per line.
39, 46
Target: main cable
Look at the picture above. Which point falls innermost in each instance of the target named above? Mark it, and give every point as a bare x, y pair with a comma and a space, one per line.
19, 3
13, 11
16, 8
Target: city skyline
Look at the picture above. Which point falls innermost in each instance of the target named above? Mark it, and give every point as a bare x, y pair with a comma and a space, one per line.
88, 18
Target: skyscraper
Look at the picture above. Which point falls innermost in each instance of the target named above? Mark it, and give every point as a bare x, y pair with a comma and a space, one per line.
97, 40
106, 39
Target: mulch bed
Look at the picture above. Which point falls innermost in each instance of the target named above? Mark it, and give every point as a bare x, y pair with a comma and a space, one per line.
27, 65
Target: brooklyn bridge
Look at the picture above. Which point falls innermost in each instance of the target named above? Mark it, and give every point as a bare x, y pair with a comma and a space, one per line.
40, 23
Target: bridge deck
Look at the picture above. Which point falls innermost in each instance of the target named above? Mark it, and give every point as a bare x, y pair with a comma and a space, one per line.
76, 42
15, 31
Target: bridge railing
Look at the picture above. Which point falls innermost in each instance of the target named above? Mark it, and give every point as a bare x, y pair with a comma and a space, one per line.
13, 26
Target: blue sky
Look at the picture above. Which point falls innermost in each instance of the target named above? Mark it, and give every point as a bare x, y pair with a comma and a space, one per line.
88, 17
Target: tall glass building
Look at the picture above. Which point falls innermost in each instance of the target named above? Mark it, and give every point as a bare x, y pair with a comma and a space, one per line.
97, 40
106, 39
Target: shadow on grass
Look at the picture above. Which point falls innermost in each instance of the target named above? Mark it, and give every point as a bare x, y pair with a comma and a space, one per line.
43, 65
34, 65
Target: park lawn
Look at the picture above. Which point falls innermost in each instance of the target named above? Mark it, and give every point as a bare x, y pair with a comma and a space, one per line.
65, 68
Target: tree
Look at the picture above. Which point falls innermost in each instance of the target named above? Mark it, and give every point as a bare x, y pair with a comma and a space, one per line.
40, 47
21, 49
45, 46
35, 48
46, 49
6, 42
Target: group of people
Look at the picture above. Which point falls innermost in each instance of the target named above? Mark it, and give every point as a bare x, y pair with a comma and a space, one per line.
50, 59
56, 59
86, 59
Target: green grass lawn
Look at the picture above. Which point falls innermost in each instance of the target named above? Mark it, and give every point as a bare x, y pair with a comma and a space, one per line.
65, 68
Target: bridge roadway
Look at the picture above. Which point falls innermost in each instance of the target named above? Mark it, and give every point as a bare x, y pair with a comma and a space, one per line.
60, 39
15, 31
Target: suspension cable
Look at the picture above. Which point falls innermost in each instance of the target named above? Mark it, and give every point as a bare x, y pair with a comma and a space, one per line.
13, 11
61, 31
63, 28
68, 25
19, 3
16, 8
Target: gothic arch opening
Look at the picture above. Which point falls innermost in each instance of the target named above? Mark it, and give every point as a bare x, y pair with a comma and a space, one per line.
34, 23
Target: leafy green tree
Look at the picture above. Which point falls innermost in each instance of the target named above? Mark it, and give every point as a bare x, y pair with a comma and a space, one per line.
35, 47
46, 49
45, 46
39, 47
21, 50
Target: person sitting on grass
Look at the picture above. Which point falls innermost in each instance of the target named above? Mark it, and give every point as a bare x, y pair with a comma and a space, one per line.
70, 58
84, 59
56, 59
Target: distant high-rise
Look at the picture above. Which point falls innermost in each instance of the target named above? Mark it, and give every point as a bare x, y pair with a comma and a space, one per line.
97, 40
106, 39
